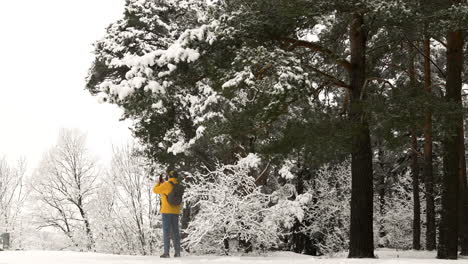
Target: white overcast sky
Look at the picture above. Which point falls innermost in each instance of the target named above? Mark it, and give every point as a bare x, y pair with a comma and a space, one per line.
45, 53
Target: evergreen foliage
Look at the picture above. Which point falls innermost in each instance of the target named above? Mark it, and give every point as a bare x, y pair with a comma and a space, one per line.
299, 83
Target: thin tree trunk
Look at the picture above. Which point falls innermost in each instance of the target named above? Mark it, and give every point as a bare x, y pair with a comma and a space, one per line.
428, 168
448, 229
141, 233
414, 154
89, 233
381, 182
463, 201
361, 231
138, 216
416, 200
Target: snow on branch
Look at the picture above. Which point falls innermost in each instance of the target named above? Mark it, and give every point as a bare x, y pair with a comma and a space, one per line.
141, 74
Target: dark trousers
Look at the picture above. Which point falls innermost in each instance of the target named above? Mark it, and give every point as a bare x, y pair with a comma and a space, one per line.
170, 223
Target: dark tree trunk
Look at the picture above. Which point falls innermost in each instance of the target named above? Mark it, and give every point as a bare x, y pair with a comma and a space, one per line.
89, 233
414, 153
417, 203
186, 215
381, 182
448, 229
428, 169
361, 231
141, 233
463, 201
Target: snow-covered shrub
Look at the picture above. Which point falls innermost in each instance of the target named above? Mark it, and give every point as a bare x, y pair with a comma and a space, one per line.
397, 222
285, 212
231, 209
326, 210
327, 215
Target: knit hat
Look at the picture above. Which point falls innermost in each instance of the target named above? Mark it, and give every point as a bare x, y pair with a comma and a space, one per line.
172, 174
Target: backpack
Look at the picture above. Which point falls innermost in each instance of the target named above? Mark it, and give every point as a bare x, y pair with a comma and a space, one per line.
175, 196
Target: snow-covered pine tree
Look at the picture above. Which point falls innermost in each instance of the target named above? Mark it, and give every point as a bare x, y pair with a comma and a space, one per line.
233, 77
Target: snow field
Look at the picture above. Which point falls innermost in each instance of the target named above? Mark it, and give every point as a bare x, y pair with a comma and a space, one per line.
67, 257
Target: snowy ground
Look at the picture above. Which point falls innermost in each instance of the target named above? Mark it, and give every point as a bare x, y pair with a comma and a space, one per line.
63, 257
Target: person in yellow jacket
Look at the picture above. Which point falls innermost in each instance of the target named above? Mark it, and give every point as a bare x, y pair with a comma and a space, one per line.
170, 214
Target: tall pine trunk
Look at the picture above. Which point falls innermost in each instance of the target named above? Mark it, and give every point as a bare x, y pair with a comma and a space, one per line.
361, 231
428, 168
414, 157
448, 229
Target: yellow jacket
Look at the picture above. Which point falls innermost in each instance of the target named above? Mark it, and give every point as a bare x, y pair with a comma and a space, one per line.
164, 189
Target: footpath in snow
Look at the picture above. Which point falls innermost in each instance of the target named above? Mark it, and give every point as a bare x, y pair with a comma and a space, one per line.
66, 257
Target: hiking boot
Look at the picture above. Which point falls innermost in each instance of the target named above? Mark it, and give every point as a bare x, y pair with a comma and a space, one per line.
177, 255
165, 255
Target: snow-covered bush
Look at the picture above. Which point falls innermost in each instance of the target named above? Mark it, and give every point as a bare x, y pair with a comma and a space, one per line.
324, 210
231, 209
285, 212
327, 215
397, 222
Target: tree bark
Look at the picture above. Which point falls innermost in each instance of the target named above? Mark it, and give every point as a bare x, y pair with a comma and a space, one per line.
414, 154
463, 201
416, 200
428, 168
381, 182
448, 229
361, 231
89, 232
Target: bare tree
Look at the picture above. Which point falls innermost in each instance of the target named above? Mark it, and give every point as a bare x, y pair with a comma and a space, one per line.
56, 213
129, 204
66, 184
12, 197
